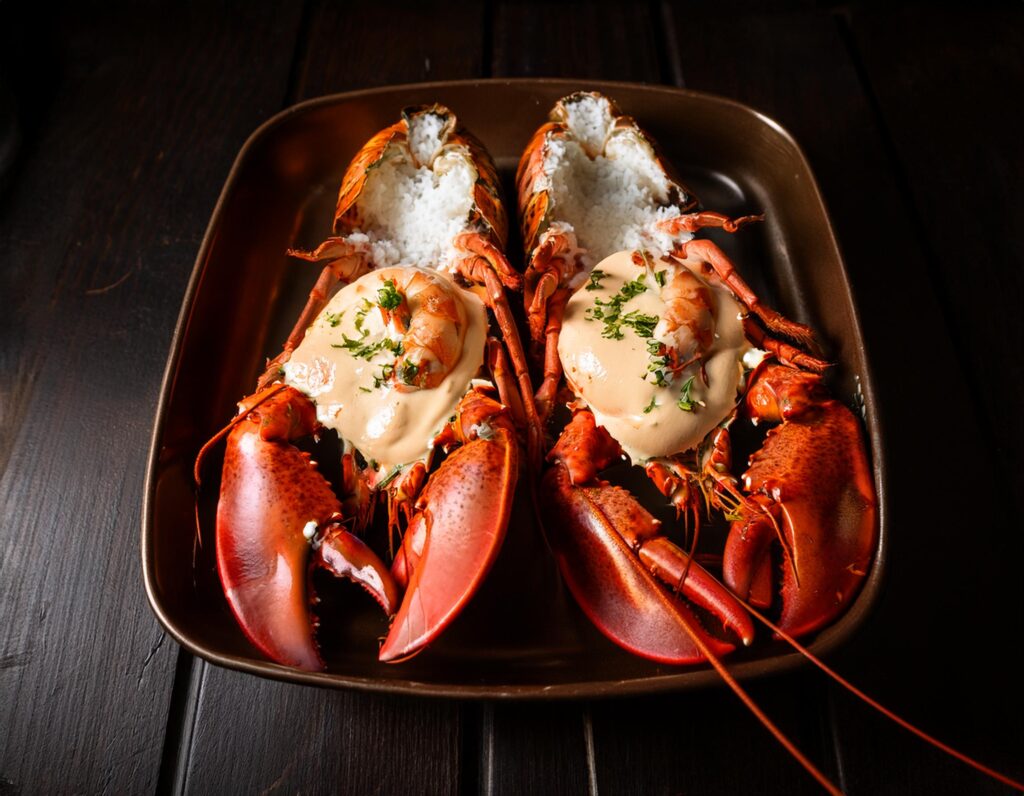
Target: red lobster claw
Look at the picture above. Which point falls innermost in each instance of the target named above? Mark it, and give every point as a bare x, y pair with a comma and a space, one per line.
270, 494
458, 527
611, 554
812, 475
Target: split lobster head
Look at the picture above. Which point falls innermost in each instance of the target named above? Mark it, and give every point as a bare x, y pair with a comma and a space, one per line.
803, 513
278, 518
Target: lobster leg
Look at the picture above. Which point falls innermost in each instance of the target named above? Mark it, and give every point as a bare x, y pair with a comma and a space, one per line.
272, 501
458, 527
486, 265
812, 474
782, 351
693, 222
713, 260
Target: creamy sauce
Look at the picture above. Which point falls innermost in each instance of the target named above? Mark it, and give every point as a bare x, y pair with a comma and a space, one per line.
612, 375
386, 424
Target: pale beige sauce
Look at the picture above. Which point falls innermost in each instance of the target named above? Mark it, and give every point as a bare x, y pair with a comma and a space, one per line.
386, 425
610, 374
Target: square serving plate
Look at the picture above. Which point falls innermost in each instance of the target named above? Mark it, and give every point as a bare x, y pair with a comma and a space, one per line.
522, 635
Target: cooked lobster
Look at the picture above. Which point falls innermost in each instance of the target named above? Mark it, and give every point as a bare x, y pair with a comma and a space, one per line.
660, 351
401, 362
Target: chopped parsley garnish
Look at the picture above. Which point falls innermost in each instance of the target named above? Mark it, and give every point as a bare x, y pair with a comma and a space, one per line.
364, 308
659, 364
387, 370
610, 311
595, 279
334, 318
686, 402
391, 477
363, 350
652, 405
388, 296
409, 371
365, 389
641, 323
660, 277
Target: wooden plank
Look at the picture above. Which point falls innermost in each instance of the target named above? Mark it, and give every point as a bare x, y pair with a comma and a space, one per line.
913, 653
258, 736
707, 741
128, 136
586, 40
357, 742
534, 748
360, 47
945, 83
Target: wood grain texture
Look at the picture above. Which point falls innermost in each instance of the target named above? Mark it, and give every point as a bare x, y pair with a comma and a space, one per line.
534, 748
573, 39
100, 225
953, 574
945, 85
707, 741
367, 45
258, 736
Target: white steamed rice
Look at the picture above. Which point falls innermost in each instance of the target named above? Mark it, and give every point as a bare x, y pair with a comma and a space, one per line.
610, 200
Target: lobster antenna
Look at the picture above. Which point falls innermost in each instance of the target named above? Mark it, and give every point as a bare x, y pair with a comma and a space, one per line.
747, 700
806, 653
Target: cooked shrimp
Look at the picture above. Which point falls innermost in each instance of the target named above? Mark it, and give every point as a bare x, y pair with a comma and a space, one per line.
434, 323
688, 320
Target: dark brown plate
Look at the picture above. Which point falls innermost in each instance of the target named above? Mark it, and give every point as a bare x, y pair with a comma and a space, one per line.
521, 636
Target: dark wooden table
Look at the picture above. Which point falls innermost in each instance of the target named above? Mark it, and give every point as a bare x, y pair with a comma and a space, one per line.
128, 120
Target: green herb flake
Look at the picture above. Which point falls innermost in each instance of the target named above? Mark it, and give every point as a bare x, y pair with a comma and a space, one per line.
651, 406
364, 308
333, 318
610, 312
686, 402
391, 477
360, 349
388, 296
387, 370
595, 279
365, 389
409, 371
660, 277
641, 323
